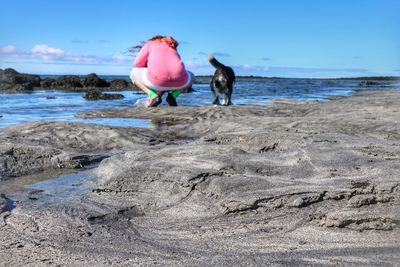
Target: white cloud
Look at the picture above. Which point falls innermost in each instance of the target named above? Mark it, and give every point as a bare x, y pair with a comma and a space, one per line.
204, 68
45, 49
45, 53
8, 49
121, 58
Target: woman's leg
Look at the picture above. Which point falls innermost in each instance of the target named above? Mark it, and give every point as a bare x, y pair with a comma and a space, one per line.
171, 98
136, 76
148, 91
185, 88
137, 79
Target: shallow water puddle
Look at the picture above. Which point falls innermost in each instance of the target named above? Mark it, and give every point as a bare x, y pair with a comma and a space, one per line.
10, 204
66, 186
51, 187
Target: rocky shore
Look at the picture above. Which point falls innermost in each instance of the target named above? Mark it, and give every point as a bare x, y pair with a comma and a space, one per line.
293, 183
12, 81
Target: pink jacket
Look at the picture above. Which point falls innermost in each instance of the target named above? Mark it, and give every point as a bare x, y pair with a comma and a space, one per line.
164, 65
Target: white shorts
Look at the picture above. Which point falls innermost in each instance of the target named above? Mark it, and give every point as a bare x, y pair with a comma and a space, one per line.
140, 75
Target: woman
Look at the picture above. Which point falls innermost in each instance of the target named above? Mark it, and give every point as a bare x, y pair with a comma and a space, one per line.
159, 68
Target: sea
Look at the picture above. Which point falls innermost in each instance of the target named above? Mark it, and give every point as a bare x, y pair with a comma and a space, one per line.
58, 105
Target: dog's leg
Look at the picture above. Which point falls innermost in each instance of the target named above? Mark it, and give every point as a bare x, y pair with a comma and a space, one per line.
213, 90
229, 94
227, 100
216, 99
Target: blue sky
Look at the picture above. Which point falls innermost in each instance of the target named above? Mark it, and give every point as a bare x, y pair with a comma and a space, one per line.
287, 38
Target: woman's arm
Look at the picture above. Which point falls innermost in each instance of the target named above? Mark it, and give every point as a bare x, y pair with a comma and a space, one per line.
141, 58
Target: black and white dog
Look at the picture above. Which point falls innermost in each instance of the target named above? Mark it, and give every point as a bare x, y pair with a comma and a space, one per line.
221, 82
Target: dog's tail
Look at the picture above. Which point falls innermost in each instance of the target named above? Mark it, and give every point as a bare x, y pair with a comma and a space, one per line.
215, 62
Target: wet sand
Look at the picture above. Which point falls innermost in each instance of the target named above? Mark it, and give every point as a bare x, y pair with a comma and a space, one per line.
303, 183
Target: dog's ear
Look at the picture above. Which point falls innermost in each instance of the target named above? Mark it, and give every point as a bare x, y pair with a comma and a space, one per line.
210, 56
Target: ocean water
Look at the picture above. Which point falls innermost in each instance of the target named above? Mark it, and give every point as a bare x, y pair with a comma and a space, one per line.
56, 105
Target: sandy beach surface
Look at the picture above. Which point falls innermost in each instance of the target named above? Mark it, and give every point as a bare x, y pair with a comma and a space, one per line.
285, 184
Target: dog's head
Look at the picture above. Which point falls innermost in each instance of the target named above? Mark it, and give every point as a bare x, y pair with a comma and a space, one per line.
221, 81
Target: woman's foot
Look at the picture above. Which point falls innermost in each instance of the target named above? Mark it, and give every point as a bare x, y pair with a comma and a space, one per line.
171, 100
154, 98
153, 102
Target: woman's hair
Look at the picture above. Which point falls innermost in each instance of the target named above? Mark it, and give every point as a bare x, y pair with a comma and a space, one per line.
158, 38
166, 39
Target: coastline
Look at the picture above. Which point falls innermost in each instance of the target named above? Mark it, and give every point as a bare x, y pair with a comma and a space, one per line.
11, 81
303, 183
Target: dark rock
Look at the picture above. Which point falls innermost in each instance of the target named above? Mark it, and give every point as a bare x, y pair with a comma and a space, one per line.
14, 88
369, 83
13, 81
93, 95
14, 77
97, 95
7, 75
93, 81
67, 82
119, 84
47, 83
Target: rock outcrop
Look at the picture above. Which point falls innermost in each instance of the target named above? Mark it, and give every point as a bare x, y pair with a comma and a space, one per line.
67, 82
13, 81
93, 81
97, 95
370, 83
120, 84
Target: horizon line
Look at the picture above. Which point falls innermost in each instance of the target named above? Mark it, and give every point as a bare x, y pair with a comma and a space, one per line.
377, 77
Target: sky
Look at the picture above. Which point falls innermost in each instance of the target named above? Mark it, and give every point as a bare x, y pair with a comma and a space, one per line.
284, 38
